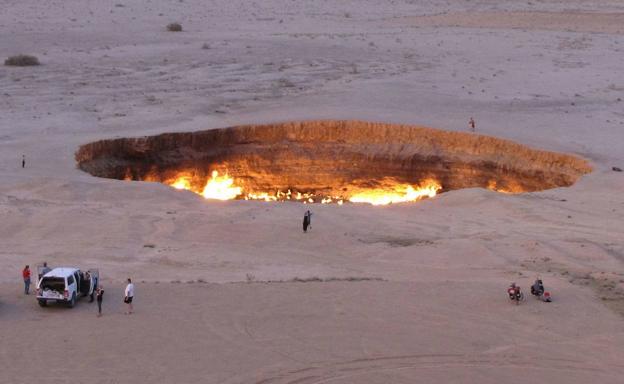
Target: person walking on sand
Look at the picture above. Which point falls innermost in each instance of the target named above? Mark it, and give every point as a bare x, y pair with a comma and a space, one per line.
99, 296
306, 221
129, 295
472, 125
23, 161
26, 276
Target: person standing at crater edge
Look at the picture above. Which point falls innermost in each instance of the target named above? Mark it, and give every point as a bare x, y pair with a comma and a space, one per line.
306, 221
472, 125
23, 161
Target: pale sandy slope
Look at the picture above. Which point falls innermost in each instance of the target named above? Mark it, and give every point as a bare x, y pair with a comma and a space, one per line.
440, 316
339, 332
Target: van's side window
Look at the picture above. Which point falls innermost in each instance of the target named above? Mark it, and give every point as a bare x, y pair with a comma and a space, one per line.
70, 280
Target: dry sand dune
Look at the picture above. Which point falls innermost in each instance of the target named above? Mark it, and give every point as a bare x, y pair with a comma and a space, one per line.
409, 293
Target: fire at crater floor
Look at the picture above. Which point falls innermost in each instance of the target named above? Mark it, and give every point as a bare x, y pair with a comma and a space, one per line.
330, 162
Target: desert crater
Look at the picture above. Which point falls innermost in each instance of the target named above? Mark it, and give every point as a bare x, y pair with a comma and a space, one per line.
331, 160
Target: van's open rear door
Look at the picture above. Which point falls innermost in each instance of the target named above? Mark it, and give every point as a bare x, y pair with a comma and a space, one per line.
39, 271
95, 279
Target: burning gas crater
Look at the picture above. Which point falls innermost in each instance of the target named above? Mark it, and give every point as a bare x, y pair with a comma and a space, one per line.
329, 162
223, 187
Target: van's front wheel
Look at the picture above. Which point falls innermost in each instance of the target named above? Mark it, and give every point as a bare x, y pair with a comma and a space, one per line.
43, 303
72, 302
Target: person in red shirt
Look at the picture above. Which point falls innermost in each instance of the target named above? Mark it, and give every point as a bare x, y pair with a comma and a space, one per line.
513, 290
26, 276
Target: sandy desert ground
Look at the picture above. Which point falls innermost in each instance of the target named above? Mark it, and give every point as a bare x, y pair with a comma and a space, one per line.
416, 292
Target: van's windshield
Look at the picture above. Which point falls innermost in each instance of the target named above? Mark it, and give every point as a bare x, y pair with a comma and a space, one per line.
53, 283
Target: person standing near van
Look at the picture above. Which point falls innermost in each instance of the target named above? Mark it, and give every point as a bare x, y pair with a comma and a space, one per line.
99, 296
129, 295
26, 276
45, 269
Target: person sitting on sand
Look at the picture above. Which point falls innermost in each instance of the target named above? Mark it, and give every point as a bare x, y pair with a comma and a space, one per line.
537, 288
513, 290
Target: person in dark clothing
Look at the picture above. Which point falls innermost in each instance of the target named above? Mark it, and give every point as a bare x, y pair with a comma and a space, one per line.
23, 161
472, 125
537, 288
306, 221
99, 295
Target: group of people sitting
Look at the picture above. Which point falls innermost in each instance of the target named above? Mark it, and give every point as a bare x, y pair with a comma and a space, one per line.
537, 290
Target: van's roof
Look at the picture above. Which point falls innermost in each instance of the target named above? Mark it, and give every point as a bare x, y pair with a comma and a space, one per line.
61, 272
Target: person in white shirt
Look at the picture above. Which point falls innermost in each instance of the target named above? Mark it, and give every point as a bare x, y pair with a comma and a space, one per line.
129, 295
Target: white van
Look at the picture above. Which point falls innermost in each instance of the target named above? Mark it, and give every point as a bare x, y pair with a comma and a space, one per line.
66, 285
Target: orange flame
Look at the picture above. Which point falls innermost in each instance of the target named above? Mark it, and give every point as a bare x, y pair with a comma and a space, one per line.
224, 188
221, 188
399, 194
182, 183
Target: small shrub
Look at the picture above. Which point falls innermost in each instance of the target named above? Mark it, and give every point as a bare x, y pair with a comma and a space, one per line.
285, 83
307, 280
174, 27
22, 61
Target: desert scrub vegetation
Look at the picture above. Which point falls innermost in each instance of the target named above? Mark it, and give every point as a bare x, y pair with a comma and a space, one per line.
22, 61
174, 27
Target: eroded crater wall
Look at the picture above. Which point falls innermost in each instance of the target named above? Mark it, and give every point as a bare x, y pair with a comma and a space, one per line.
331, 156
